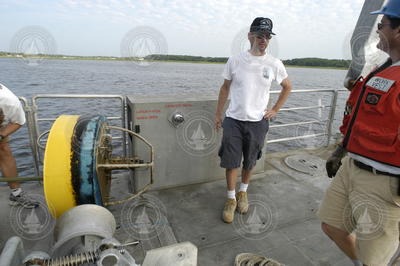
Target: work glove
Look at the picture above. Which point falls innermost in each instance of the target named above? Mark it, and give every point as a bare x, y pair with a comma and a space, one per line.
334, 162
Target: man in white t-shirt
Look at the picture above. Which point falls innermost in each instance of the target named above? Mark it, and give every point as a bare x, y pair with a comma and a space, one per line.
12, 117
247, 79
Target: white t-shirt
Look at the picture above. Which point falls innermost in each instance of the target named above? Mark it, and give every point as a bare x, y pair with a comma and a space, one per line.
11, 107
251, 78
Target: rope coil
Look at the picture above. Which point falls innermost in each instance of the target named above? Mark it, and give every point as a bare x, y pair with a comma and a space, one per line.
249, 259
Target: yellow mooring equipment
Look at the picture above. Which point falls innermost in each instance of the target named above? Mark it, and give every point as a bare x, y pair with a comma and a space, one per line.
78, 163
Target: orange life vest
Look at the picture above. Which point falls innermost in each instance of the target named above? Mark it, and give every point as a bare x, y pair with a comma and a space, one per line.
371, 124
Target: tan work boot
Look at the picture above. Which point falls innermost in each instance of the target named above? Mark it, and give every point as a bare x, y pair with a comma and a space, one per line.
242, 202
229, 210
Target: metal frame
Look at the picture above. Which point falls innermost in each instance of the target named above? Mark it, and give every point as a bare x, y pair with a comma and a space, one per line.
36, 120
329, 121
31, 112
30, 125
150, 165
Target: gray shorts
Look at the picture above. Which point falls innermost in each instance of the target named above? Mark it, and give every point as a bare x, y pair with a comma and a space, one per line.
242, 137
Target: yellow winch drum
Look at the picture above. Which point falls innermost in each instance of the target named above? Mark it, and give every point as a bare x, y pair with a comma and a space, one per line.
72, 153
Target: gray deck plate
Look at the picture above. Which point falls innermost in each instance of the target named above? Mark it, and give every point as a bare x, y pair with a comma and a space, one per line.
194, 214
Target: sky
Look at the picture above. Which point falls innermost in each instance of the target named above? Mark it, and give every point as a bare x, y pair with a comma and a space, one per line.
216, 28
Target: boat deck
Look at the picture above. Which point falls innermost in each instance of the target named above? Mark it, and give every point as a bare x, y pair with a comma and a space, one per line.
281, 222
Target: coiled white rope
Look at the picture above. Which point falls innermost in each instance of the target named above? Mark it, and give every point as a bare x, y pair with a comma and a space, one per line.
249, 259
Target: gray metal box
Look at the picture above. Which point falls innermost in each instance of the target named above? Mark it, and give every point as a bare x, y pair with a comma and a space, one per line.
185, 153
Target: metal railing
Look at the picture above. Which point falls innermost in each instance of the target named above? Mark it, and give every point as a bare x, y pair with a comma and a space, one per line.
30, 125
329, 121
33, 120
36, 120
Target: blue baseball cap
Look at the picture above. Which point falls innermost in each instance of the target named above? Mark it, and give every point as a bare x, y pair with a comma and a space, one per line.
391, 9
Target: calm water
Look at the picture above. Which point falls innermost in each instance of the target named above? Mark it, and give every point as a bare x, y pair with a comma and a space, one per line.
109, 77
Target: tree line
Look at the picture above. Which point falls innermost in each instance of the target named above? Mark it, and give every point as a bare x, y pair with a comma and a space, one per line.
190, 58
305, 62
318, 62
308, 62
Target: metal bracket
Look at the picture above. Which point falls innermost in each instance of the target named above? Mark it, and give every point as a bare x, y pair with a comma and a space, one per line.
129, 163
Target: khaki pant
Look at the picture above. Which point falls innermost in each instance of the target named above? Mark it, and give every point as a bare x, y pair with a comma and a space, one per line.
366, 204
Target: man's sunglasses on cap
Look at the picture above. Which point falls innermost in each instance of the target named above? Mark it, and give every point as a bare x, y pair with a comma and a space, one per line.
260, 35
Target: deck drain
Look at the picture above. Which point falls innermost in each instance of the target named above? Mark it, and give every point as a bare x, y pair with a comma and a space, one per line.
305, 163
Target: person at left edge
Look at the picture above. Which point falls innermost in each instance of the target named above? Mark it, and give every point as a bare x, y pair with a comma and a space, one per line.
12, 117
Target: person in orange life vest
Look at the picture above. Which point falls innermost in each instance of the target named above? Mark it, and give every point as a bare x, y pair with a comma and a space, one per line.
360, 211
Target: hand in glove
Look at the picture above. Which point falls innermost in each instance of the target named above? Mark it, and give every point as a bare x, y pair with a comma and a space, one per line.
334, 162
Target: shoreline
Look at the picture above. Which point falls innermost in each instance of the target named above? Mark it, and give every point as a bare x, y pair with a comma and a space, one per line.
150, 61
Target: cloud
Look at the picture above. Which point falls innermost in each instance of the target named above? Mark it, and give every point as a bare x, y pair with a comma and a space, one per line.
208, 27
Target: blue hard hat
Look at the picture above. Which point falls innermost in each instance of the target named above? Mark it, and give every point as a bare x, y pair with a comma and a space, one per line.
392, 9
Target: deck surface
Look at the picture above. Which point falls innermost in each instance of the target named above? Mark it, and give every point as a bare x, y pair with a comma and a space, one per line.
281, 222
